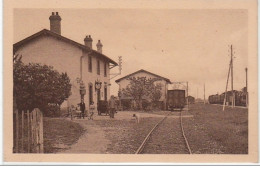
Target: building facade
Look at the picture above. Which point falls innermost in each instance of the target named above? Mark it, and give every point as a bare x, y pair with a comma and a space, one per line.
84, 65
124, 82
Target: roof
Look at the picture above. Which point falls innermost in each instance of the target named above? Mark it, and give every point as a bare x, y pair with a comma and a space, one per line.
52, 34
166, 79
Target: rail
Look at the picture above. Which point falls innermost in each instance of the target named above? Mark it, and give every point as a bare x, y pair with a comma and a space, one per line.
183, 134
140, 149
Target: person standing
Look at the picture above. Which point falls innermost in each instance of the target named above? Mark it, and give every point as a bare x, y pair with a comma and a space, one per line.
82, 109
91, 111
112, 106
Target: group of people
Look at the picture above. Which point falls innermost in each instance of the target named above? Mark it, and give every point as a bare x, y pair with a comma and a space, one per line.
111, 108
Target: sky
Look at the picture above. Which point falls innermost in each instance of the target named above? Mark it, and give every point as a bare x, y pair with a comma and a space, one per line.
179, 44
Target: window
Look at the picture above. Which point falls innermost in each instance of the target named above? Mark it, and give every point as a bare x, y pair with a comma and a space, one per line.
105, 69
98, 67
105, 93
90, 64
90, 87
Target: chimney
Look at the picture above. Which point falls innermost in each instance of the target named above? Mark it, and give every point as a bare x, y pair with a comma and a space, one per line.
88, 41
55, 23
99, 46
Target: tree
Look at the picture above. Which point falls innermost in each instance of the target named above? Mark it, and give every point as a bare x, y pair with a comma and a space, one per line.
139, 88
156, 92
38, 86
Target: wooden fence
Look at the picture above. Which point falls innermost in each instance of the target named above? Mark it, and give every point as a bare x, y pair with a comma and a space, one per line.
28, 131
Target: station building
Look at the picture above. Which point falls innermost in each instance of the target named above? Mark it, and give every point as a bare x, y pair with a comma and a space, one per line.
124, 82
84, 65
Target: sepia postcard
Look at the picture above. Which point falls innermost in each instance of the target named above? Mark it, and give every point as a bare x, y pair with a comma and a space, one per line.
123, 81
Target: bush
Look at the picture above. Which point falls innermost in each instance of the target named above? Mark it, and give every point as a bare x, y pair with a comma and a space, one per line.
38, 86
126, 104
146, 104
52, 111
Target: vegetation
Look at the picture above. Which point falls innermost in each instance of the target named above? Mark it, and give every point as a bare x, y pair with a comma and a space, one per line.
59, 134
39, 86
141, 88
156, 93
219, 131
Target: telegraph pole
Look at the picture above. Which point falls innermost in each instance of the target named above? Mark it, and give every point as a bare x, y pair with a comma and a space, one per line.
188, 94
226, 88
232, 89
246, 90
119, 68
197, 93
204, 95
230, 70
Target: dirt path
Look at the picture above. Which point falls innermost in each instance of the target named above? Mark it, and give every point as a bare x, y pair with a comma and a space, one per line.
119, 135
92, 141
96, 138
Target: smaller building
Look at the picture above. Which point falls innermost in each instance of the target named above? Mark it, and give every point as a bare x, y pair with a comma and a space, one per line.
124, 82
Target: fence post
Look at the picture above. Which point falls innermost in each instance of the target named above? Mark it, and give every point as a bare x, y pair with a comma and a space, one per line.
28, 132
17, 132
22, 131
41, 133
32, 130
37, 131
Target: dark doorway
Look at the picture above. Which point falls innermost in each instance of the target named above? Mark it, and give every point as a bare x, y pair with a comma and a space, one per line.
105, 93
90, 93
98, 96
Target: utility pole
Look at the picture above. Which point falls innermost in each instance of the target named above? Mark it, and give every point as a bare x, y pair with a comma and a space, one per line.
188, 94
246, 90
119, 68
232, 90
204, 95
197, 93
226, 88
230, 70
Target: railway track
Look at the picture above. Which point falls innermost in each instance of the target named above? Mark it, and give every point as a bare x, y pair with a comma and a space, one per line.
166, 137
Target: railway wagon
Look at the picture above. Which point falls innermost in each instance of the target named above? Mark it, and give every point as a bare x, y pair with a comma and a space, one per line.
214, 99
176, 99
240, 98
210, 99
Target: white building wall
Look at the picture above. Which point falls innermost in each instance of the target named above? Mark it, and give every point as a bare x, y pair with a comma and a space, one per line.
65, 57
124, 82
92, 77
49, 51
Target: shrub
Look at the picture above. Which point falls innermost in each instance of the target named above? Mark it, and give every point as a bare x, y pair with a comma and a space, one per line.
146, 104
52, 111
126, 104
39, 86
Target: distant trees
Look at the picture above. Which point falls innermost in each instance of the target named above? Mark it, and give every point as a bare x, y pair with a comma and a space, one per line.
38, 86
142, 87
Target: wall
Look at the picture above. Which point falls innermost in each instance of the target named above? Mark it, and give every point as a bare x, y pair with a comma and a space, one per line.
124, 82
65, 57
91, 77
